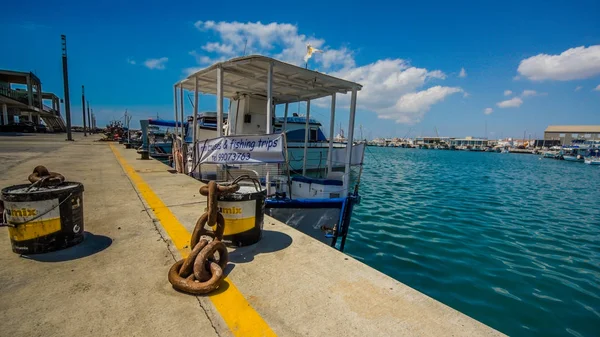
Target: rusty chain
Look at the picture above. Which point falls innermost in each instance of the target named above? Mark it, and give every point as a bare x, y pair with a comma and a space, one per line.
42, 177
201, 272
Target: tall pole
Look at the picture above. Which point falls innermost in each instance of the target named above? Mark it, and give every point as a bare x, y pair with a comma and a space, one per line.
219, 101
195, 122
83, 108
127, 119
63, 39
285, 116
182, 114
306, 132
270, 99
176, 111
331, 135
90, 128
350, 138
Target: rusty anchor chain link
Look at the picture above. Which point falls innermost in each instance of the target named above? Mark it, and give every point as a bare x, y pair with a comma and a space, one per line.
42, 177
202, 272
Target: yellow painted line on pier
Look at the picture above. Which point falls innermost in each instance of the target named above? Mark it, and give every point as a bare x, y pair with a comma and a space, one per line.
235, 310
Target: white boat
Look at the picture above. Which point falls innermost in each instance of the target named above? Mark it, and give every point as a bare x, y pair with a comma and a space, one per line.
594, 156
573, 154
256, 86
318, 145
592, 160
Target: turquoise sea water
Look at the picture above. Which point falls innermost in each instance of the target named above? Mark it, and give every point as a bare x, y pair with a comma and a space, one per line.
508, 239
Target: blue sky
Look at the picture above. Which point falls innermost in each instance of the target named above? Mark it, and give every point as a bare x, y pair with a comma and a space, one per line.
408, 56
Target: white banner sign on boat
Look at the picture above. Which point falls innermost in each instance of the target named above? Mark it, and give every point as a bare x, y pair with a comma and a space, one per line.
242, 150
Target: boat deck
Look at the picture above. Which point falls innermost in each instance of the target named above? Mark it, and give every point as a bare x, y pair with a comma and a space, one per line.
138, 220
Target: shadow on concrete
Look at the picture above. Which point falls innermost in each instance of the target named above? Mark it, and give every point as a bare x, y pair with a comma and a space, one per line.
91, 245
271, 241
15, 134
222, 288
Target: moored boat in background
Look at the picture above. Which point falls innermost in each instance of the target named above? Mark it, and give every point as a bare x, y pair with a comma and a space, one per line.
592, 161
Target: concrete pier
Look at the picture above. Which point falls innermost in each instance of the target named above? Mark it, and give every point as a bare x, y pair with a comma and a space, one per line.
138, 218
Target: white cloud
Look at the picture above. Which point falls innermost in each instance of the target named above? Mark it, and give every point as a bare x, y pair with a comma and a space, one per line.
156, 63
343, 56
514, 102
488, 111
530, 93
256, 37
463, 73
386, 83
597, 88
572, 64
578, 88
507, 92
216, 47
411, 108
392, 88
130, 61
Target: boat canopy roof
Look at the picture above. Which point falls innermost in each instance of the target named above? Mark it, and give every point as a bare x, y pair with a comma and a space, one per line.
247, 75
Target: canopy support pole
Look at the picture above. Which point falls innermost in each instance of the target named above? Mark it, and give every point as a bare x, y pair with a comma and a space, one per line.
270, 113
195, 129
306, 132
270, 99
176, 130
331, 132
285, 115
350, 138
181, 141
182, 104
220, 101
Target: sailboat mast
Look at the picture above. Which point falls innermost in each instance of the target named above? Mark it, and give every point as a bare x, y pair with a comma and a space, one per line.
485, 129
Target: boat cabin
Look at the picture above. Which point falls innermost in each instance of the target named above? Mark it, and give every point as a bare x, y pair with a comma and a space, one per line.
294, 129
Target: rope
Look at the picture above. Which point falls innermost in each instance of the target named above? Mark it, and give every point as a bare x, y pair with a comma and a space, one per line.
15, 224
39, 178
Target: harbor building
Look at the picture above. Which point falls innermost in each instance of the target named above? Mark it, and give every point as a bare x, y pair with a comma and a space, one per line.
541, 143
22, 99
469, 142
566, 134
432, 140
